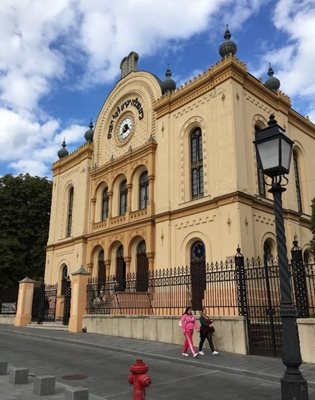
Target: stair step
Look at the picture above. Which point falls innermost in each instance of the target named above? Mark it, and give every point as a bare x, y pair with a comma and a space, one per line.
48, 325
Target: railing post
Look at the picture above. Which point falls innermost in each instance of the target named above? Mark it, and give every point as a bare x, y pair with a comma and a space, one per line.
78, 299
25, 302
241, 282
299, 281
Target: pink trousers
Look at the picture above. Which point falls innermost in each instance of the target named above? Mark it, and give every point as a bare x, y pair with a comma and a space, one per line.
188, 342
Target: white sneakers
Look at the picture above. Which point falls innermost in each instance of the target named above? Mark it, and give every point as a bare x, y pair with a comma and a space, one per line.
215, 353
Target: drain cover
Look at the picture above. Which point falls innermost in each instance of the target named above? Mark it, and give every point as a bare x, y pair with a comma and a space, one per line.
75, 377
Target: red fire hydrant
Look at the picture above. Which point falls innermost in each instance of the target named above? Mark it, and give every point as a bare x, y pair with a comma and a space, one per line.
139, 379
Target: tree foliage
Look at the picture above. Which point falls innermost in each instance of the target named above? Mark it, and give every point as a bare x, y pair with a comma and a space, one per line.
24, 223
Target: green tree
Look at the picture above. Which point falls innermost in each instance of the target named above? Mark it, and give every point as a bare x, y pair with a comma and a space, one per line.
24, 223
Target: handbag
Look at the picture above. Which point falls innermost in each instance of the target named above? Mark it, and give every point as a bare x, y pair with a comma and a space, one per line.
211, 329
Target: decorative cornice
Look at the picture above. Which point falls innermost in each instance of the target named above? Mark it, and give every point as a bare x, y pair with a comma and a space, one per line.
116, 164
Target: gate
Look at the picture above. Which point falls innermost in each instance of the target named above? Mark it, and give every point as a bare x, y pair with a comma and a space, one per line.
263, 309
44, 303
67, 303
258, 285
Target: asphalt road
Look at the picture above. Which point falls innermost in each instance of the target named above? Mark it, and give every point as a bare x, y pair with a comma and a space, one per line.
105, 372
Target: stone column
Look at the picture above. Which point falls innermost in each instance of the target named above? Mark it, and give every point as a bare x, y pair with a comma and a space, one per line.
110, 204
78, 299
25, 302
150, 257
127, 261
129, 187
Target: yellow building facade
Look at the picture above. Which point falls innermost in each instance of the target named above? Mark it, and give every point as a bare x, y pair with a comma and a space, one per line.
170, 175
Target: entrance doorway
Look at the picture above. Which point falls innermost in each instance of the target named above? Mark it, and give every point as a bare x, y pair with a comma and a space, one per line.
142, 268
120, 269
198, 273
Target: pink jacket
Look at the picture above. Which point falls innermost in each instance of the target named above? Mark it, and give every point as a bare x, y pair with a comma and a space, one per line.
188, 323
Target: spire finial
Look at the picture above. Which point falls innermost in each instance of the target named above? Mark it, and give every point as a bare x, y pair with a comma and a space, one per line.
228, 46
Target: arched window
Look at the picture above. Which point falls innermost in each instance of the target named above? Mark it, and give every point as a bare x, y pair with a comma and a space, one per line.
70, 210
196, 164
105, 202
269, 251
123, 193
260, 174
143, 190
297, 181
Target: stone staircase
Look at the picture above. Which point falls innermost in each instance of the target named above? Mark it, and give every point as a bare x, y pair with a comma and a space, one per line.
56, 325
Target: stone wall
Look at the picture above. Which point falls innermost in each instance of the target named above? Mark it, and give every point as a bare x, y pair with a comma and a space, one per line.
230, 334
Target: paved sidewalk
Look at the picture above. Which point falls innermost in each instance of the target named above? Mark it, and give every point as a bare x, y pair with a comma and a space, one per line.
270, 369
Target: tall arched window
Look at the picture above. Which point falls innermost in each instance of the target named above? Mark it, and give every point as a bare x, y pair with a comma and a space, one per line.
123, 193
105, 202
297, 180
260, 174
70, 210
143, 190
196, 164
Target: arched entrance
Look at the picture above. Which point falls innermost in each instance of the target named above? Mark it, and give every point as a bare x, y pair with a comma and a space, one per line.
64, 279
142, 268
120, 269
198, 273
101, 267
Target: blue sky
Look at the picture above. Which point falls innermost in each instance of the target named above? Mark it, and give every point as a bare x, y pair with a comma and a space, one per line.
60, 59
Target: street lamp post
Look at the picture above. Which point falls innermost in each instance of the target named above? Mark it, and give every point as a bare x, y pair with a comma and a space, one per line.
274, 150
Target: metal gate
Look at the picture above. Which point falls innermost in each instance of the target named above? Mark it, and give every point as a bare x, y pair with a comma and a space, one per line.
44, 303
67, 303
258, 287
263, 309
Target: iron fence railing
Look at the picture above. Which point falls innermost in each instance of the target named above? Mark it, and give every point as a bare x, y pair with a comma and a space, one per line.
223, 288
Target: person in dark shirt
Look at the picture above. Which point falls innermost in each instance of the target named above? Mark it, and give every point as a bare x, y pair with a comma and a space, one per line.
206, 332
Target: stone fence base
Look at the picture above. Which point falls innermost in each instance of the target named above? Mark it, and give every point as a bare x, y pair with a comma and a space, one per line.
7, 319
230, 332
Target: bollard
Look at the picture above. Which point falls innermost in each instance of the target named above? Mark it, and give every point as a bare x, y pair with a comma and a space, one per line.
139, 379
44, 385
3, 367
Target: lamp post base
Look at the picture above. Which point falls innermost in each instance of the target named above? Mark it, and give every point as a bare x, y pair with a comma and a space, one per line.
293, 388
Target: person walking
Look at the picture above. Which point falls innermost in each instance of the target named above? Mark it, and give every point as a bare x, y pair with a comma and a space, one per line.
188, 323
206, 332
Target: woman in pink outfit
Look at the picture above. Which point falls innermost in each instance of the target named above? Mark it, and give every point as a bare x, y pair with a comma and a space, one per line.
188, 323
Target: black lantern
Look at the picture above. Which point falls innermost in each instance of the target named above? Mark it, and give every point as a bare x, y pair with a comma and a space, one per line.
274, 149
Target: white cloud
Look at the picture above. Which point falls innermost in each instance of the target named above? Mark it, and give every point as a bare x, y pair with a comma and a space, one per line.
294, 62
45, 41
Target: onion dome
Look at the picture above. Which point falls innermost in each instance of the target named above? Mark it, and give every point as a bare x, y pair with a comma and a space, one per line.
228, 46
89, 133
63, 152
272, 83
168, 85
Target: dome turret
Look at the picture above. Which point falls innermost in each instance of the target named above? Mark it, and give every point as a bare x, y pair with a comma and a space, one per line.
272, 82
228, 46
168, 85
89, 133
63, 152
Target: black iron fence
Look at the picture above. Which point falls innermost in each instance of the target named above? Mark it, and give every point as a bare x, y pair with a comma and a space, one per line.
240, 287
8, 300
